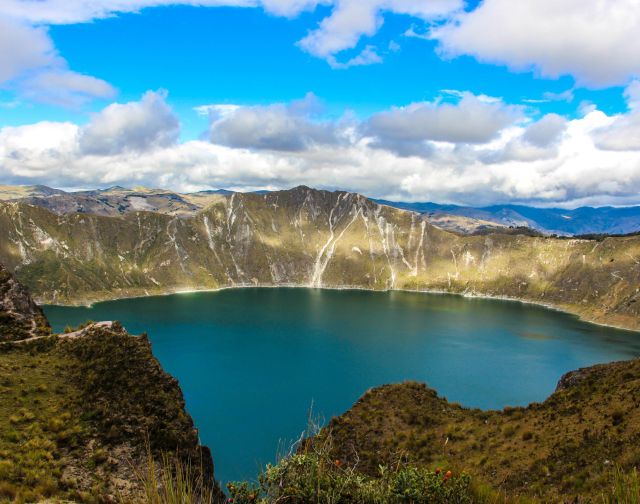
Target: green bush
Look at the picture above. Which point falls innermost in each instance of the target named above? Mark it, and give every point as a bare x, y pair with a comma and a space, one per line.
313, 477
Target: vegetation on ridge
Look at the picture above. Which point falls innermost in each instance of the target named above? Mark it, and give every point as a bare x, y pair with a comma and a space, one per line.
561, 449
312, 475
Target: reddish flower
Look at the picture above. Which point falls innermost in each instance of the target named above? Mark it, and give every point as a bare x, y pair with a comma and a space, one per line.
338, 463
438, 470
448, 475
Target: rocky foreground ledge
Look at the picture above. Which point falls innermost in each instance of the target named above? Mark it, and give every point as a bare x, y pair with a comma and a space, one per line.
84, 414
81, 415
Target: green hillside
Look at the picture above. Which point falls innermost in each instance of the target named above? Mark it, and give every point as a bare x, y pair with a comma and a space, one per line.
310, 238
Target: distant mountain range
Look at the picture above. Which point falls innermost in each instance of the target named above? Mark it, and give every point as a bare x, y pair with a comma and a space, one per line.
581, 221
460, 219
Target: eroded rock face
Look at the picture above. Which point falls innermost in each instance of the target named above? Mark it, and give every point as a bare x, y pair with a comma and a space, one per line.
20, 317
136, 409
305, 237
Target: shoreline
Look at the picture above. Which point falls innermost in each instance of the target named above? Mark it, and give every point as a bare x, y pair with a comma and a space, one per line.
468, 295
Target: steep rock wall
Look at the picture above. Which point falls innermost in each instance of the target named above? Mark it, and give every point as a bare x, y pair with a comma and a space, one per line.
306, 237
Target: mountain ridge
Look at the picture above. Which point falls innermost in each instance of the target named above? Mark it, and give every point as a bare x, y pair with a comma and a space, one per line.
306, 237
117, 200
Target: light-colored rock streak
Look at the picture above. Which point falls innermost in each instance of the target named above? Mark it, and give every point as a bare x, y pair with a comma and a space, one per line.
172, 241
383, 228
420, 249
332, 248
327, 251
212, 247
317, 267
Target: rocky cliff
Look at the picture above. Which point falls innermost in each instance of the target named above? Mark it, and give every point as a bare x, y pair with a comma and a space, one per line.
84, 416
310, 238
20, 316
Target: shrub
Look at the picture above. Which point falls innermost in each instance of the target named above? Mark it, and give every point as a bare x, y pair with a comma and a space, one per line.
617, 416
312, 477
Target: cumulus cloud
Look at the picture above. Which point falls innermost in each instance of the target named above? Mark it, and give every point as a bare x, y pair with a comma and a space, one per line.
131, 127
279, 127
546, 131
368, 56
622, 133
551, 161
596, 41
538, 141
632, 94
473, 119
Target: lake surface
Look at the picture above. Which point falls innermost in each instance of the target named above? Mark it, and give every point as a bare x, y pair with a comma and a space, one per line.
252, 362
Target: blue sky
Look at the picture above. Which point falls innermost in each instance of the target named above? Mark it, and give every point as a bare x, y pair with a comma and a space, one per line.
86, 58
246, 56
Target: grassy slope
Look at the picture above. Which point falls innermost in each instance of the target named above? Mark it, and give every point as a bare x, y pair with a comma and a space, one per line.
562, 448
76, 416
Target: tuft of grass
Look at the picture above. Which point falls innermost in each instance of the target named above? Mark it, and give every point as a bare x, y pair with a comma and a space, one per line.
172, 480
625, 488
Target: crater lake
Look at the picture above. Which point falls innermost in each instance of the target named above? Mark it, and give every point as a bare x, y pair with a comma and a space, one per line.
255, 363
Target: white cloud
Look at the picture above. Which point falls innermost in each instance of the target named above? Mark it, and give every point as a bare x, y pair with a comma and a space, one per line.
596, 41
216, 110
350, 20
80, 11
22, 48
368, 56
131, 127
473, 120
553, 161
64, 87
30, 62
279, 127
565, 96
632, 94
546, 131
341, 30
622, 133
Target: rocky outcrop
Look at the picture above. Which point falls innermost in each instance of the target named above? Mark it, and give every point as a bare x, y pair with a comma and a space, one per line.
306, 237
88, 415
20, 317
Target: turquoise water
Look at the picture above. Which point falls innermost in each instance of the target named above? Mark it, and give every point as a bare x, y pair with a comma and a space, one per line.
252, 362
